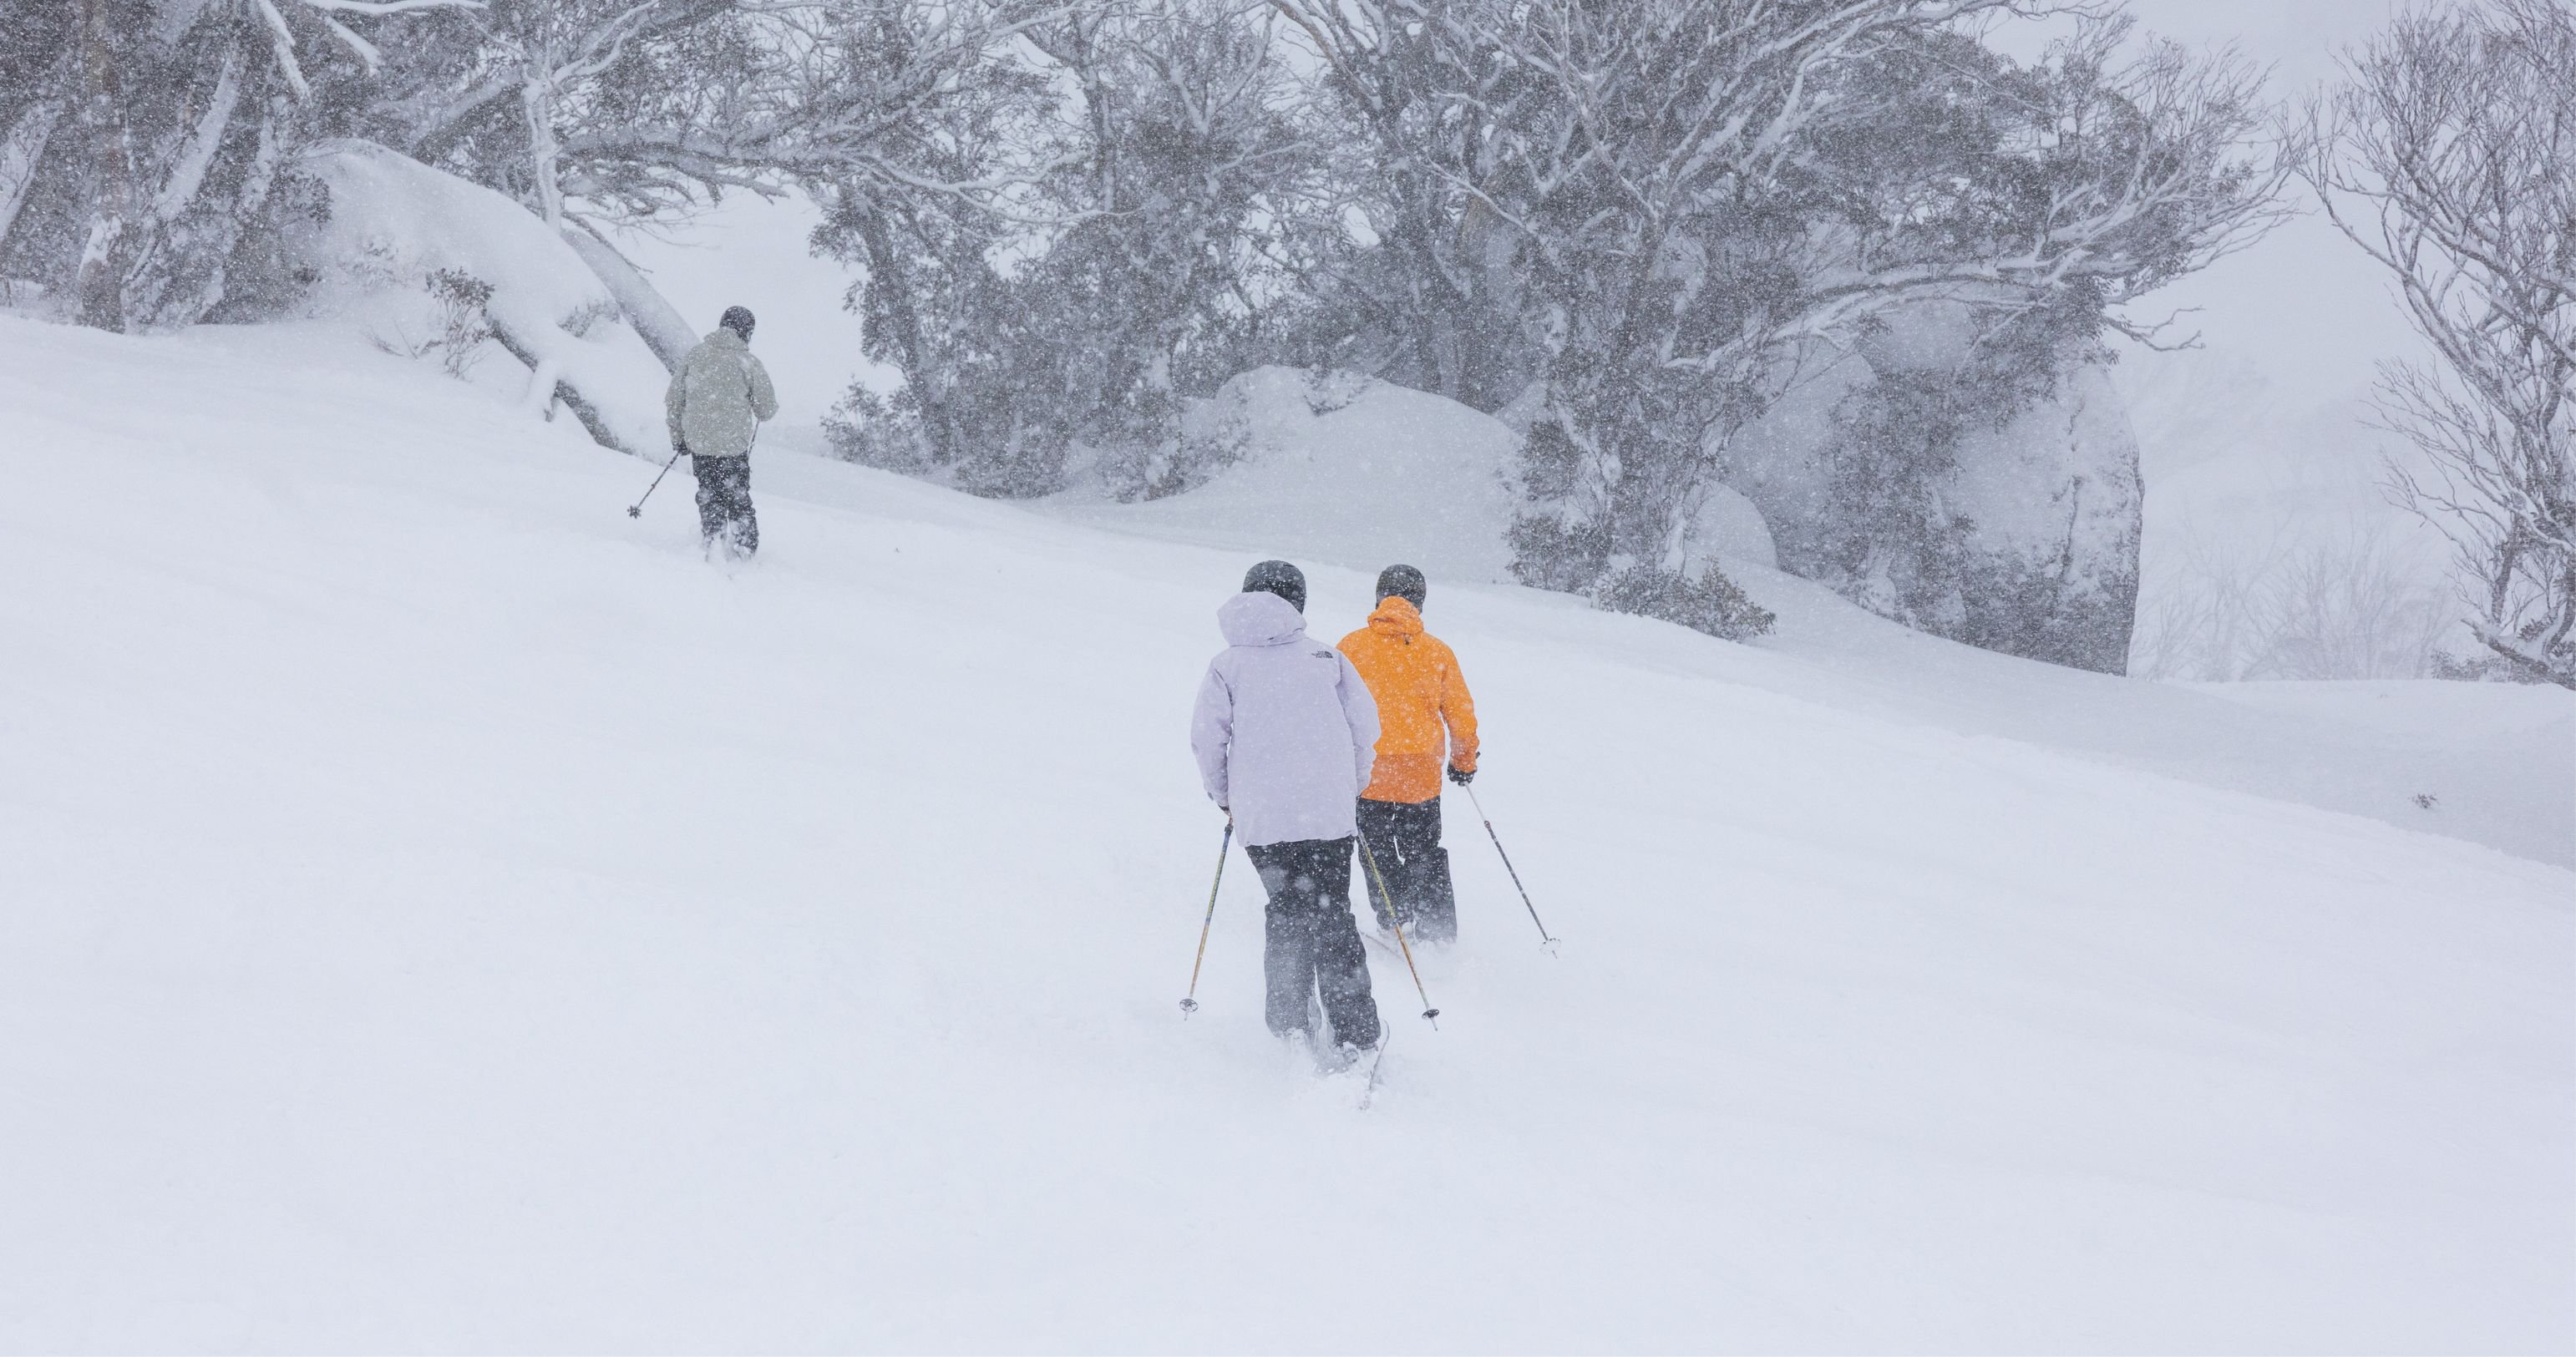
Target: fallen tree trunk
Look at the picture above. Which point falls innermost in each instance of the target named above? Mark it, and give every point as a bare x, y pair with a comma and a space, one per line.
582, 407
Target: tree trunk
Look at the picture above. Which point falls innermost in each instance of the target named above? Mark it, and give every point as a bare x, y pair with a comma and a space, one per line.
545, 154
665, 331
890, 298
99, 286
21, 148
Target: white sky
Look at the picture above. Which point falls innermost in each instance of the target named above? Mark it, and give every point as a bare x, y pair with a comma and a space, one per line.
2303, 306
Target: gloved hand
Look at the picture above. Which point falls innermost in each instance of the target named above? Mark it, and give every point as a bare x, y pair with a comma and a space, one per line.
1462, 776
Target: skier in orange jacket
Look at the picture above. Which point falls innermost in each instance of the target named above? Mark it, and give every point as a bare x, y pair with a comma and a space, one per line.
1422, 706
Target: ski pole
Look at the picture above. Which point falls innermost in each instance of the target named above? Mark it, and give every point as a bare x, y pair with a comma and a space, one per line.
1429, 1014
1545, 940
636, 510
1190, 1004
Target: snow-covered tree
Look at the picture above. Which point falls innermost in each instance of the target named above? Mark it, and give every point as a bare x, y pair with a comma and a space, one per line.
143, 138
592, 100
2136, 158
1183, 160
2449, 156
1088, 225
1638, 224
920, 129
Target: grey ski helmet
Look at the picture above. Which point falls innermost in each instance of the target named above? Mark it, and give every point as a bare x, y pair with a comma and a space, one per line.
1404, 582
1277, 577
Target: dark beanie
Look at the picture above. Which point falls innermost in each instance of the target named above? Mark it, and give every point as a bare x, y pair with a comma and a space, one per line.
738, 320
1277, 577
1404, 582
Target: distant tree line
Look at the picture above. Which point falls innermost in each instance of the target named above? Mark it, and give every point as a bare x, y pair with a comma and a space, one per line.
1628, 228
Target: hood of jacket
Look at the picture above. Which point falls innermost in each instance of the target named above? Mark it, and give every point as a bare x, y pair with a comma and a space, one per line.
727, 339
1396, 619
1259, 619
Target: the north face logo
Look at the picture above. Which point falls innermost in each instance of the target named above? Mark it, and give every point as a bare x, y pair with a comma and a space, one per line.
1323, 654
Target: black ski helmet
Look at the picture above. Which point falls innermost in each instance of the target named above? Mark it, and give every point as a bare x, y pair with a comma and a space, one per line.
1404, 582
1277, 577
737, 319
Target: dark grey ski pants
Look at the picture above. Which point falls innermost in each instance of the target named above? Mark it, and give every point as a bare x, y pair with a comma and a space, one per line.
724, 504
1405, 837
1312, 948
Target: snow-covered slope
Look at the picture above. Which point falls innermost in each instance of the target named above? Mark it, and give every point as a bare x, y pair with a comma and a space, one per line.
1399, 475
442, 913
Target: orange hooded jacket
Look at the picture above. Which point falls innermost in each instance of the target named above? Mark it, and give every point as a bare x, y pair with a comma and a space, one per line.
1417, 685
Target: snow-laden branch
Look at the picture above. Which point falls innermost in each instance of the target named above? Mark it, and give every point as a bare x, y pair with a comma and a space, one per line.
2448, 157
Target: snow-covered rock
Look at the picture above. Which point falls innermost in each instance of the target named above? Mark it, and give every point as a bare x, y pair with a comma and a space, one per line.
2054, 501
1732, 530
2030, 537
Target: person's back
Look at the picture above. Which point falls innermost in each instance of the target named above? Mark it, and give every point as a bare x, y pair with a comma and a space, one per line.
715, 404
1285, 733
1428, 719
1285, 752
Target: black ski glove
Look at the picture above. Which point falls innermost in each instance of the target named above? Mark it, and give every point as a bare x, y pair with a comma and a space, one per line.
1462, 776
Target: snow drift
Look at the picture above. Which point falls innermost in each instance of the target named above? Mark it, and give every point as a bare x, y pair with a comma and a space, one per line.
403, 241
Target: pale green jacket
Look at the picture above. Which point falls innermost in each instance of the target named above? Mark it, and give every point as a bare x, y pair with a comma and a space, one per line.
718, 398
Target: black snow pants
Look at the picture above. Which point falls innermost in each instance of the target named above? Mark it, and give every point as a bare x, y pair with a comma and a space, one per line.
1311, 945
1405, 837
724, 504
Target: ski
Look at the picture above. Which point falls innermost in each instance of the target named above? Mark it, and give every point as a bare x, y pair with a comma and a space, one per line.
1368, 1092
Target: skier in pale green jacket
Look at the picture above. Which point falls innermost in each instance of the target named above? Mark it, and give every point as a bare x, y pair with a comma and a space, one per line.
717, 401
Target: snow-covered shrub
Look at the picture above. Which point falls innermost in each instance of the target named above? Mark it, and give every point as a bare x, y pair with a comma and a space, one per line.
862, 429
457, 326
1711, 602
462, 301
408, 250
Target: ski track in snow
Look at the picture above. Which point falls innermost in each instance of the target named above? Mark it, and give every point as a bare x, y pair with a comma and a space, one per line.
442, 913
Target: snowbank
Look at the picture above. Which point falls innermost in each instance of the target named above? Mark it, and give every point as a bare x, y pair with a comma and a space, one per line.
396, 225
1342, 468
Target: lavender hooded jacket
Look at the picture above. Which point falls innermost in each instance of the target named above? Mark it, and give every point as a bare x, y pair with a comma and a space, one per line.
1285, 731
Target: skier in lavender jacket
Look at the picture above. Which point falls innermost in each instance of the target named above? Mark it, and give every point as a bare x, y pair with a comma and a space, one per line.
1285, 734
